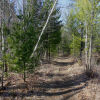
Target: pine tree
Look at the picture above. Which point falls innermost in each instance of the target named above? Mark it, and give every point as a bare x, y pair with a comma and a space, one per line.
52, 35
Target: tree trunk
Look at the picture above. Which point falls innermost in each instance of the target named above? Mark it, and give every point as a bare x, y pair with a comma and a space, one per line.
73, 46
24, 72
24, 1
90, 52
2, 54
2, 75
2, 47
81, 49
86, 50
49, 52
47, 45
58, 50
91, 37
6, 66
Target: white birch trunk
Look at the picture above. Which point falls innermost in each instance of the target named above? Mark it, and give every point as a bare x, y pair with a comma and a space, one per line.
2, 42
91, 35
86, 48
90, 52
44, 27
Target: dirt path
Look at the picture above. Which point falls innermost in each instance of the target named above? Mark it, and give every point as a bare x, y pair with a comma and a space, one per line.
63, 79
97, 97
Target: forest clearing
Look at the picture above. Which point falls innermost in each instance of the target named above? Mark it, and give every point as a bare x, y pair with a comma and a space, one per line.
50, 50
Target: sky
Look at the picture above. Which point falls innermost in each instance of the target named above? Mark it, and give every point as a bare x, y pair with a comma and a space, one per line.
63, 4
64, 8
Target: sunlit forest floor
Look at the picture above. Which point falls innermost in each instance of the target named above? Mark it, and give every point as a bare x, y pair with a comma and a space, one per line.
62, 79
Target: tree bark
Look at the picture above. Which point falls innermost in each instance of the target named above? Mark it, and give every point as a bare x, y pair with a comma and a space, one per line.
24, 72
91, 36
24, 38
49, 52
90, 52
86, 49
73, 45
2, 75
81, 49
2, 47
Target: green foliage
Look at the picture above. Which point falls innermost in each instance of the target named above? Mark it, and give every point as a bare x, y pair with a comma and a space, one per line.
52, 36
25, 33
73, 34
75, 45
84, 15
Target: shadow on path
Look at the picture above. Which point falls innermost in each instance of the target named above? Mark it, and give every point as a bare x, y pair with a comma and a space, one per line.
43, 87
62, 63
65, 83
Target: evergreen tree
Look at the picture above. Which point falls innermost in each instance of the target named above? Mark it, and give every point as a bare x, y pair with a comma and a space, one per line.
25, 33
52, 35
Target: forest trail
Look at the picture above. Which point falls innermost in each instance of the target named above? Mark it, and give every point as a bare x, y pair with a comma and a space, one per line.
62, 79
